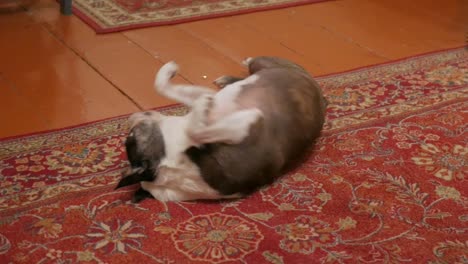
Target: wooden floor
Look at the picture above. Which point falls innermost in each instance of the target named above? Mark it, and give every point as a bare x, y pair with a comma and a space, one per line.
56, 72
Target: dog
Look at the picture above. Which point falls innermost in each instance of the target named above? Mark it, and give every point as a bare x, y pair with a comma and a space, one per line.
232, 142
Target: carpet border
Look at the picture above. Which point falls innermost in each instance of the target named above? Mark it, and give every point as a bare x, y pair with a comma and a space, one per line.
100, 30
328, 75
392, 61
393, 117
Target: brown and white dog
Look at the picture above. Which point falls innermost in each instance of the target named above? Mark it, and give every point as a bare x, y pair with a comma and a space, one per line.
232, 142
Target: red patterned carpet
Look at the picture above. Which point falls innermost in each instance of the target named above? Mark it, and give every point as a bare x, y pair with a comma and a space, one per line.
387, 184
116, 15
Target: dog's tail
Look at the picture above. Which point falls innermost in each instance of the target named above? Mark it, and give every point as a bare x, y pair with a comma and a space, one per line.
164, 76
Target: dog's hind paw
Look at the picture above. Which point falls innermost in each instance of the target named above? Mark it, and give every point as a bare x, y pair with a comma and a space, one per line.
246, 62
225, 80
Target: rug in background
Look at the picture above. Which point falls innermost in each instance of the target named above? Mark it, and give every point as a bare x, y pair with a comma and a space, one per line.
107, 16
386, 184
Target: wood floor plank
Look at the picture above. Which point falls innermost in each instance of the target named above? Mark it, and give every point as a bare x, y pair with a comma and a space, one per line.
56, 71
388, 32
434, 32
453, 12
57, 85
128, 67
316, 44
17, 114
199, 63
238, 41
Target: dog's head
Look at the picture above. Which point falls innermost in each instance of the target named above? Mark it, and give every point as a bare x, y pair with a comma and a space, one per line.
145, 148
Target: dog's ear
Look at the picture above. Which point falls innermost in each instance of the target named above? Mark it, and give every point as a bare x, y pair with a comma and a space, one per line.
130, 179
140, 195
137, 175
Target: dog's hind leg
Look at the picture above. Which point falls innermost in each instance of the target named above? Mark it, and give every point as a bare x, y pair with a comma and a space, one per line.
225, 80
264, 62
183, 93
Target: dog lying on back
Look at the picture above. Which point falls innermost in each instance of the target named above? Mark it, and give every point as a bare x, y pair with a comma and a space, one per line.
232, 142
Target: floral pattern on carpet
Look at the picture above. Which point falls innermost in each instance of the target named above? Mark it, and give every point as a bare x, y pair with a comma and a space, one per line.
116, 15
385, 184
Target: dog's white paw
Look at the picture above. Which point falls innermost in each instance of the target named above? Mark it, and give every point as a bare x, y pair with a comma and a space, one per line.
165, 74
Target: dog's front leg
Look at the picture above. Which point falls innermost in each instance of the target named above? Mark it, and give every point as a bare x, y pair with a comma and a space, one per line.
199, 117
231, 129
183, 93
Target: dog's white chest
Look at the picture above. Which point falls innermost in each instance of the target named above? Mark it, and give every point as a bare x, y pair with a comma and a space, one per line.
175, 137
